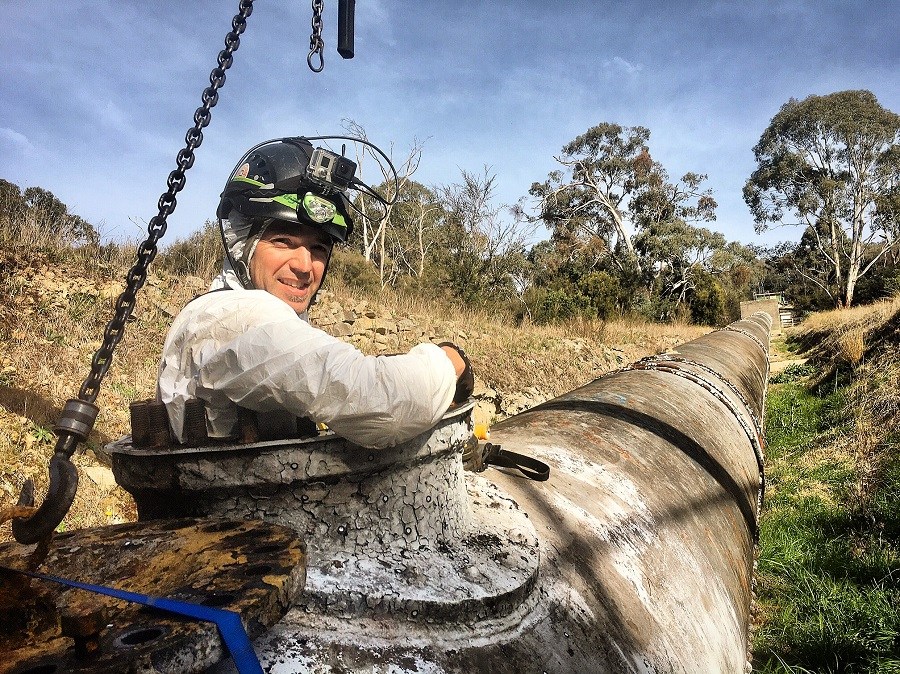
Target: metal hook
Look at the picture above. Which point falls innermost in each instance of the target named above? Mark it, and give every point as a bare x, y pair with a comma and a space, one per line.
74, 425
60, 494
309, 60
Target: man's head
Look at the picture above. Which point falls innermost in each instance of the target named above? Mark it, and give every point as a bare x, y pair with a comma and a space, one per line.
289, 261
289, 183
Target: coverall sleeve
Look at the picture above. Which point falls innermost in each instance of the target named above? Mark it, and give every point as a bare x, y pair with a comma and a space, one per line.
262, 356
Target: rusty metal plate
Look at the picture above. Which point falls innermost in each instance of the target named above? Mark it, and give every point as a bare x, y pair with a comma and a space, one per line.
250, 567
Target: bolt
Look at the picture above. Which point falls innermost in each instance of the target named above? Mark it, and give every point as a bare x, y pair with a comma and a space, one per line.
83, 625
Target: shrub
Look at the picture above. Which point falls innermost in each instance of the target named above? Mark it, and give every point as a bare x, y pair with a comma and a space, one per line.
352, 270
602, 290
707, 301
198, 255
37, 219
553, 306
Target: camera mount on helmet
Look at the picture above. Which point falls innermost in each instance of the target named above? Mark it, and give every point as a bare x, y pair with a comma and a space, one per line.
287, 179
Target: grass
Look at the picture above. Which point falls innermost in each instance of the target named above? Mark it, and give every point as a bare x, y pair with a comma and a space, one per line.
55, 302
837, 319
828, 578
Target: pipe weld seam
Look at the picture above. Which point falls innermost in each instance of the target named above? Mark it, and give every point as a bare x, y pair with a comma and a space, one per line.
665, 357
759, 343
755, 439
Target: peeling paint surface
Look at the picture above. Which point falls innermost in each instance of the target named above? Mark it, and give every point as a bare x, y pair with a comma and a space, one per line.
635, 556
252, 568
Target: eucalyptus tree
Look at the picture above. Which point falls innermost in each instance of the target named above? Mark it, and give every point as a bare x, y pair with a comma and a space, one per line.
481, 257
413, 231
610, 189
678, 251
830, 165
376, 217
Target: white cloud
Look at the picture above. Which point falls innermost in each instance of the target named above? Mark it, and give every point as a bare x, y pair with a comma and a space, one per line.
618, 64
16, 140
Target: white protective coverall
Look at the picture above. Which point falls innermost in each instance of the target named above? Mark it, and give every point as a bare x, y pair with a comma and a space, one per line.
248, 348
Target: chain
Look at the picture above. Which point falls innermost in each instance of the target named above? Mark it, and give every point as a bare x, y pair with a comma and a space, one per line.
316, 44
79, 414
137, 276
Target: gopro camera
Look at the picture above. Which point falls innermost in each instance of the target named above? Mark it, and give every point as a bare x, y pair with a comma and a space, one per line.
330, 171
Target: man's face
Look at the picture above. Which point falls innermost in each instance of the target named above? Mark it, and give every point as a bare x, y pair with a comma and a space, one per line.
289, 262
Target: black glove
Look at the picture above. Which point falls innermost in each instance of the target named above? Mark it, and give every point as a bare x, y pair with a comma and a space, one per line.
465, 384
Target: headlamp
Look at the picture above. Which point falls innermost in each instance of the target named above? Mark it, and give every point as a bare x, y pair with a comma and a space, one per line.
318, 209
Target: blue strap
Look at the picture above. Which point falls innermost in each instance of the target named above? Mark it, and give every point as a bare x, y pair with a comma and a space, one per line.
229, 623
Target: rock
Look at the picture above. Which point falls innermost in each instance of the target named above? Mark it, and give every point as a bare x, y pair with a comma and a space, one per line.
384, 327
101, 476
340, 330
194, 282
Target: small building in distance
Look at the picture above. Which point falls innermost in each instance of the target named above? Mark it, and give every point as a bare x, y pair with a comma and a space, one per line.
782, 314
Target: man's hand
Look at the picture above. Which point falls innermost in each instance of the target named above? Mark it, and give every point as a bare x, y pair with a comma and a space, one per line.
465, 377
453, 354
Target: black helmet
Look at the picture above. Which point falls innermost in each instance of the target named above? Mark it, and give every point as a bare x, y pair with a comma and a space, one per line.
287, 179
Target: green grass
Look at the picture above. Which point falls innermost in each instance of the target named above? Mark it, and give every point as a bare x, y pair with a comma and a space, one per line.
828, 579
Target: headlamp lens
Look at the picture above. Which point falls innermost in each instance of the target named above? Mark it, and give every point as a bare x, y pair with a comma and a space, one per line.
318, 209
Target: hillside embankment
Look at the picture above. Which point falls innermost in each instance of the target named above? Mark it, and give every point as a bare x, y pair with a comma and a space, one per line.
828, 577
55, 305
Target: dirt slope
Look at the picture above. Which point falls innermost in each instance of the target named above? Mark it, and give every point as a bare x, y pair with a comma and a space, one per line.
53, 310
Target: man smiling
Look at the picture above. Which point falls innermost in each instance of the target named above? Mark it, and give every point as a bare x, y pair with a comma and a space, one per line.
289, 262
248, 344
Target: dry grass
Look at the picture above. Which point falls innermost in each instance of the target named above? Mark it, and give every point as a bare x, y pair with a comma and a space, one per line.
851, 345
521, 365
55, 304
873, 404
860, 347
859, 316
846, 337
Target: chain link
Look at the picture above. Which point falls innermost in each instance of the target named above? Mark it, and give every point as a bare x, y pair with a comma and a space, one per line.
137, 276
316, 44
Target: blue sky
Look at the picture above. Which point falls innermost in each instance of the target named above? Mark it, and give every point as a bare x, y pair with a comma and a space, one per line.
96, 96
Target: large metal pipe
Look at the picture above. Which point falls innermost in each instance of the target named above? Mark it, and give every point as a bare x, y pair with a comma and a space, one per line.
648, 523
635, 556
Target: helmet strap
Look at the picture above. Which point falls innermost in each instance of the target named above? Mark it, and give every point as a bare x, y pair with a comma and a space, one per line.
243, 273
242, 266
312, 300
